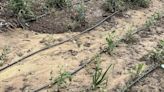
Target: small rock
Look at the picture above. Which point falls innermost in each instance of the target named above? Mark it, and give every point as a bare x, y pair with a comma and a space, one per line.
87, 44
162, 66
73, 53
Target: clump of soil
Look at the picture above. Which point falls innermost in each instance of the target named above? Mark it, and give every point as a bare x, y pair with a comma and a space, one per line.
58, 22
63, 20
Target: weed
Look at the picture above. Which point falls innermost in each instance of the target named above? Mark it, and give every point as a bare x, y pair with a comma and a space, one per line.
80, 13
137, 71
161, 44
99, 78
3, 55
21, 8
141, 3
152, 20
120, 5
157, 56
113, 5
61, 79
129, 37
59, 3
111, 44
16, 5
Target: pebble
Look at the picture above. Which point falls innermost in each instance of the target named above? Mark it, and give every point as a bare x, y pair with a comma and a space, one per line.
162, 66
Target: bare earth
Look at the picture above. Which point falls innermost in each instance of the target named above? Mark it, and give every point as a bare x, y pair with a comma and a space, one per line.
37, 70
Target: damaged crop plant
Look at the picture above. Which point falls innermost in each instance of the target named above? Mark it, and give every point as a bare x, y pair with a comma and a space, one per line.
120, 5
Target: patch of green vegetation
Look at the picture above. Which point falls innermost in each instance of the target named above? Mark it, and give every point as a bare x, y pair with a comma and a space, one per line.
157, 56
80, 13
111, 44
129, 37
141, 3
153, 19
99, 77
22, 8
137, 70
161, 44
61, 79
3, 55
119, 5
58, 3
113, 5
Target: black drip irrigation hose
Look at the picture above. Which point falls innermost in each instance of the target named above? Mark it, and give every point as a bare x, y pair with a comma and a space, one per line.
73, 72
84, 65
101, 52
81, 67
139, 78
57, 44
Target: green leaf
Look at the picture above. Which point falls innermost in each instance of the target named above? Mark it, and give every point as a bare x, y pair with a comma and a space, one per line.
103, 76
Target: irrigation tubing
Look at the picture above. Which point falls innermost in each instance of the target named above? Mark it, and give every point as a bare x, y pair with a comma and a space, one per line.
101, 52
141, 77
57, 44
73, 72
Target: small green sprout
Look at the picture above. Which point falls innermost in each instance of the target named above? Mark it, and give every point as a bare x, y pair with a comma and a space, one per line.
137, 71
61, 79
99, 78
152, 20
111, 44
3, 55
21, 8
161, 44
157, 56
129, 37
80, 13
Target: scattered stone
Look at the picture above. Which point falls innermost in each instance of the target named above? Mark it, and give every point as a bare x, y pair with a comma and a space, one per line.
87, 44
73, 53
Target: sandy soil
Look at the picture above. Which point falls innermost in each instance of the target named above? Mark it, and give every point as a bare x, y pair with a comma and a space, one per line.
38, 69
